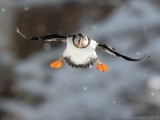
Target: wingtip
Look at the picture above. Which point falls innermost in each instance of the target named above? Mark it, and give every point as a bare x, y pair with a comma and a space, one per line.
145, 57
17, 30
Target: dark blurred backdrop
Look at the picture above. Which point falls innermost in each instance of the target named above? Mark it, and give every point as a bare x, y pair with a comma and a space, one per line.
31, 90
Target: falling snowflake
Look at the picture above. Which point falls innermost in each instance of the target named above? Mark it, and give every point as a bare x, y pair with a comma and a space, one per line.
146, 75
46, 46
152, 94
84, 88
3, 9
138, 53
26, 8
94, 27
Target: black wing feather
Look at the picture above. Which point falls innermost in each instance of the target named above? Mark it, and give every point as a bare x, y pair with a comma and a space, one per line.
112, 51
49, 37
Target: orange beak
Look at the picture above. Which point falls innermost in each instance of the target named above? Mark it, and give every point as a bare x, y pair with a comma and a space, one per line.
80, 43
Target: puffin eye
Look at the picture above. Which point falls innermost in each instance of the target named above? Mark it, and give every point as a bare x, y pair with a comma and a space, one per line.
86, 39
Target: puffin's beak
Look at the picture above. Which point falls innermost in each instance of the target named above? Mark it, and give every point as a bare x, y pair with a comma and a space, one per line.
80, 43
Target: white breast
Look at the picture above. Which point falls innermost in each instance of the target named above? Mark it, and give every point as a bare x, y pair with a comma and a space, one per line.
80, 55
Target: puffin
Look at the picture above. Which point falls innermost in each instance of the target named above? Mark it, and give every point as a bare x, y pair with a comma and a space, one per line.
80, 51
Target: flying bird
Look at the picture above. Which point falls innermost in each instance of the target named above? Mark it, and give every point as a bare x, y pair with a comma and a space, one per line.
80, 51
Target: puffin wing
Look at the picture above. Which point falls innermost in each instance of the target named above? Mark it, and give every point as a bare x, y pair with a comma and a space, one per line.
112, 51
49, 37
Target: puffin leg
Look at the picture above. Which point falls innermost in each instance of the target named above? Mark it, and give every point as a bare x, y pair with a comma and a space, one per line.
57, 64
101, 66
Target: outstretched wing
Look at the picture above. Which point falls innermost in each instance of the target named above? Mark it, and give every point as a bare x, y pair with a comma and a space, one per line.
112, 51
49, 37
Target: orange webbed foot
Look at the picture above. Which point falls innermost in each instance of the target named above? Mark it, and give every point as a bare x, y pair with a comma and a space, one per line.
102, 67
56, 64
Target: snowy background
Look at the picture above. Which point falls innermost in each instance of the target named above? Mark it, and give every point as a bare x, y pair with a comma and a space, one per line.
31, 90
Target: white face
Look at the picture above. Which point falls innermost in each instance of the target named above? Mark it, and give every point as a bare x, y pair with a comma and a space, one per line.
81, 41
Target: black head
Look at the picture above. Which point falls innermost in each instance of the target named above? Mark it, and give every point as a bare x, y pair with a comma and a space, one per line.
81, 41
